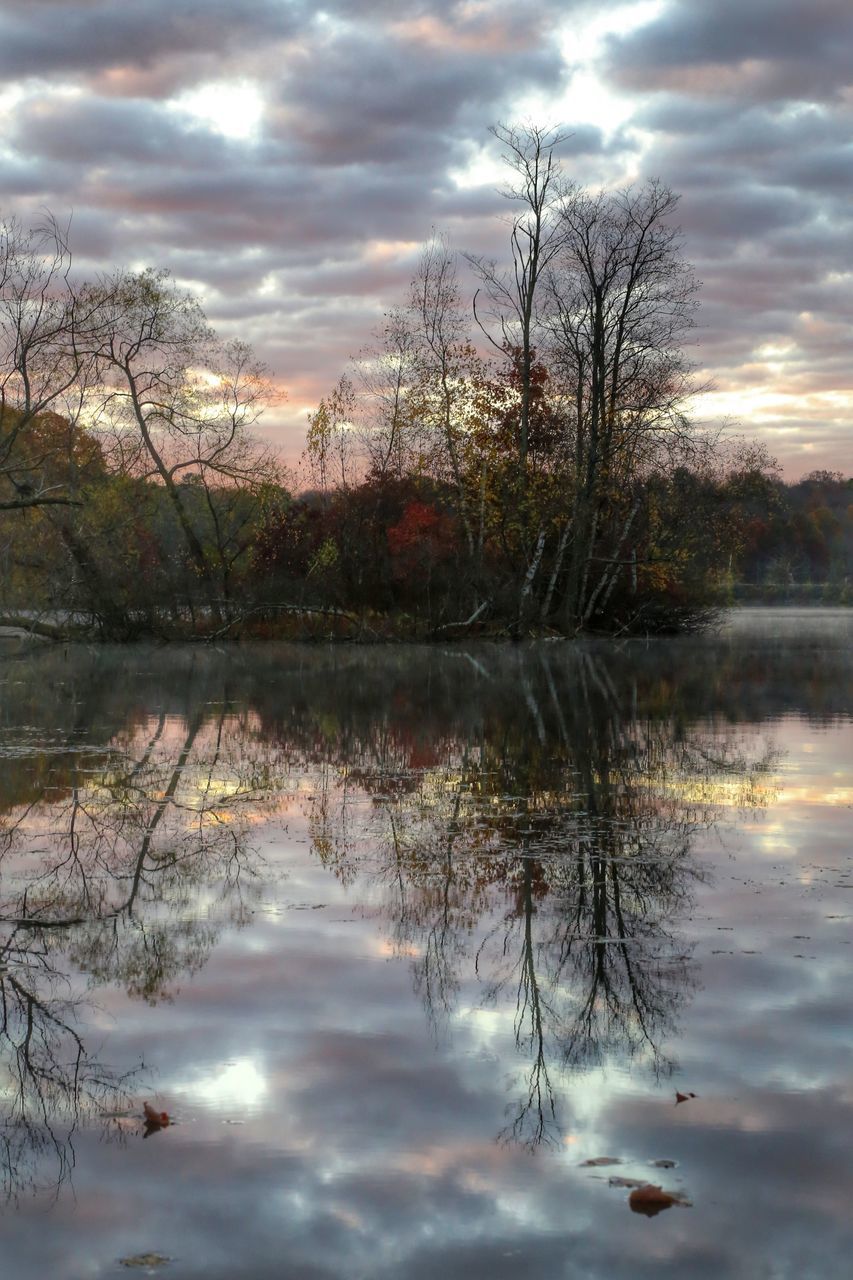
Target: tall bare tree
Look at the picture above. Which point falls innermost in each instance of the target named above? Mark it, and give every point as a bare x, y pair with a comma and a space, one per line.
621, 305
511, 319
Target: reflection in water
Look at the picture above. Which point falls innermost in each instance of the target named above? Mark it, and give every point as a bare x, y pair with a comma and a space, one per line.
121, 865
579, 822
523, 816
49, 1079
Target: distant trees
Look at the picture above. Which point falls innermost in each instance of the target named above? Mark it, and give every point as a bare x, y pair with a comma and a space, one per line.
794, 541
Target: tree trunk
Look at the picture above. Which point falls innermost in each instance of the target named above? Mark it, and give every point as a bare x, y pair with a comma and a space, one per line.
527, 584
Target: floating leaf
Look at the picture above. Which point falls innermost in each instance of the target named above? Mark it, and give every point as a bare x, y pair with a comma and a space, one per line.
145, 1260
651, 1200
154, 1120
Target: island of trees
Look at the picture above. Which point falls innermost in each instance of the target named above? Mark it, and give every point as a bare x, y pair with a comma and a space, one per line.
514, 463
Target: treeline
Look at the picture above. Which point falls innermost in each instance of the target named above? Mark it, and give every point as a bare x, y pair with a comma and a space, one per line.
797, 540
116, 559
386, 557
558, 485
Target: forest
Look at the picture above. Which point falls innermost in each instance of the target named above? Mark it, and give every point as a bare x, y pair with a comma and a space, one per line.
516, 461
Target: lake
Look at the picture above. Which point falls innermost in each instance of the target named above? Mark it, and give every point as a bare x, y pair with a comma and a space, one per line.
417, 949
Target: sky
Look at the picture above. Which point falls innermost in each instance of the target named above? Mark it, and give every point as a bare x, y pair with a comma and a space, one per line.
286, 160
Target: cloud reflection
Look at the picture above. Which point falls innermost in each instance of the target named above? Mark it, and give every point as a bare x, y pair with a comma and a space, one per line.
533, 850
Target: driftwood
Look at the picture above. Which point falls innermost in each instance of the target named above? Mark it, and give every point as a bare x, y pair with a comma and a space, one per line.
47, 630
468, 622
293, 609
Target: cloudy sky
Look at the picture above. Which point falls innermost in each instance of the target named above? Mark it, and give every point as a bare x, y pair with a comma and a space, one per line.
286, 158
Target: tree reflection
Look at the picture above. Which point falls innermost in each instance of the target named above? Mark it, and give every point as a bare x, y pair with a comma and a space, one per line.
521, 820
49, 1078
126, 876
580, 820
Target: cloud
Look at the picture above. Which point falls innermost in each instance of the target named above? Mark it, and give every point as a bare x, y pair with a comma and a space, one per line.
767, 49
742, 109
101, 35
93, 133
368, 127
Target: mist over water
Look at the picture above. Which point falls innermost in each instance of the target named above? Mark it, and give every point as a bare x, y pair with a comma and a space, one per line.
401, 937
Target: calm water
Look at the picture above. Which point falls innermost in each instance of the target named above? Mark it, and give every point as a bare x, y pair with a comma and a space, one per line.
401, 938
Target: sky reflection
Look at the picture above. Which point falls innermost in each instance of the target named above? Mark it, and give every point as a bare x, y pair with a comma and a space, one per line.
411, 942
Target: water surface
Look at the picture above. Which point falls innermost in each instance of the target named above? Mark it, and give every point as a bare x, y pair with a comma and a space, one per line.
400, 938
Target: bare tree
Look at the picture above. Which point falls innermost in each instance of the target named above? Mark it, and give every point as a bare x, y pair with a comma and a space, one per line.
621, 305
176, 400
45, 359
401, 408
445, 363
535, 237
391, 435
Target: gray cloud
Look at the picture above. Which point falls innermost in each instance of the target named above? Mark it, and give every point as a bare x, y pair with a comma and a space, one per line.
44, 39
785, 49
118, 135
302, 234
401, 108
745, 116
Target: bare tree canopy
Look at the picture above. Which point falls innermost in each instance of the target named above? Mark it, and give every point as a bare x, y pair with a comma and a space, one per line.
46, 361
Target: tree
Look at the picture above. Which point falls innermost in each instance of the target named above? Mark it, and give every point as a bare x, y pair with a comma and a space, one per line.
389, 430
177, 401
46, 362
535, 237
73, 554
330, 443
445, 364
403, 411
621, 305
